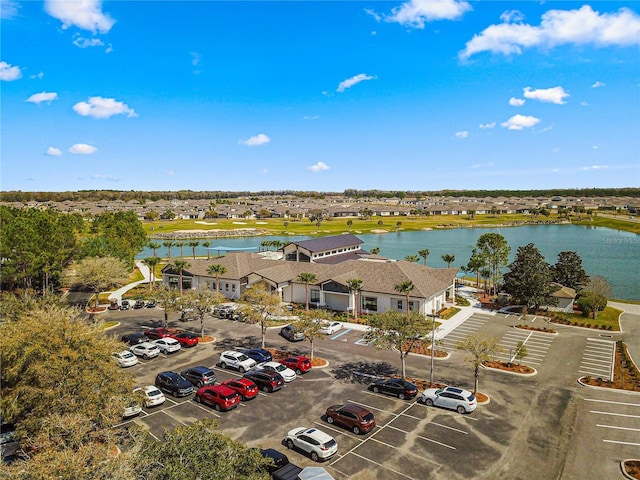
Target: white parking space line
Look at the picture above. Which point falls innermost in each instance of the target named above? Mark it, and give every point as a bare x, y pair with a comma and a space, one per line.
380, 465
622, 443
328, 426
611, 402
615, 414
208, 410
619, 428
341, 333
423, 438
174, 417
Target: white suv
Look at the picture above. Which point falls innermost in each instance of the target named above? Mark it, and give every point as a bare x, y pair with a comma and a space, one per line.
237, 360
288, 374
312, 441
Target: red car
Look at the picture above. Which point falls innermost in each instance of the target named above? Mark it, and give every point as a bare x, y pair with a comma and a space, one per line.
218, 396
156, 333
243, 387
298, 364
186, 339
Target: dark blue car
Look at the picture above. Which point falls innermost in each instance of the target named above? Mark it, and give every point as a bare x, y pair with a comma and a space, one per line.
258, 354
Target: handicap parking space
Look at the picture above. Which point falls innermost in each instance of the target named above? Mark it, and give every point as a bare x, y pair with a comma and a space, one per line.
598, 358
536, 344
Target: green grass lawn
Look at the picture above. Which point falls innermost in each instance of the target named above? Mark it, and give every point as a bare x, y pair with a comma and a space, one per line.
607, 319
615, 224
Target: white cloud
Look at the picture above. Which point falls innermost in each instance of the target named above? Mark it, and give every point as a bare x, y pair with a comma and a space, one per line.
584, 104
53, 152
350, 82
311, 117
487, 125
9, 73
318, 167
109, 49
582, 26
264, 171
594, 167
82, 42
595, 147
415, 13
373, 13
38, 76
462, 134
598, 84
82, 149
99, 107
8, 9
85, 14
256, 140
519, 122
42, 97
551, 95
516, 102
100, 176
482, 165
195, 58
171, 173
512, 16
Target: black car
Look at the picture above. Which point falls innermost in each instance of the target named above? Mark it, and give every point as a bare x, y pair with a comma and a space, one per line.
258, 354
266, 380
199, 376
279, 459
291, 334
395, 386
174, 383
151, 304
9, 443
139, 304
125, 305
134, 338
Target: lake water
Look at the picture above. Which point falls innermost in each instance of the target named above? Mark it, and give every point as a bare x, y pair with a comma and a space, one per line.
611, 253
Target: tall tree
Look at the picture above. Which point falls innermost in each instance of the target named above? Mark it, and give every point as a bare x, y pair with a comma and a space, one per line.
375, 251
201, 302
310, 326
98, 274
480, 348
168, 301
217, 270
180, 265
168, 244
424, 253
397, 331
118, 234
354, 285
568, 271
494, 248
193, 244
405, 288
475, 264
206, 244
151, 262
595, 294
154, 246
307, 278
258, 304
448, 259
411, 258
529, 278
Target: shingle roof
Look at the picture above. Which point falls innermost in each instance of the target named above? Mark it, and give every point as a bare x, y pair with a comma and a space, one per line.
328, 243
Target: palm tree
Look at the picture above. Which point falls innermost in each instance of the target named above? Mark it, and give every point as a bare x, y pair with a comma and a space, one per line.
151, 262
307, 278
349, 223
375, 250
448, 259
354, 285
206, 244
424, 253
193, 244
154, 246
181, 245
168, 244
217, 270
405, 288
411, 258
180, 265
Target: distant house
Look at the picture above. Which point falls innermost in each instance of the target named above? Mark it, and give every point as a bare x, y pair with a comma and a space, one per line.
564, 296
318, 249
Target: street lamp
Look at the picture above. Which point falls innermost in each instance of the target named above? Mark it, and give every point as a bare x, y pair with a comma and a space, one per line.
433, 316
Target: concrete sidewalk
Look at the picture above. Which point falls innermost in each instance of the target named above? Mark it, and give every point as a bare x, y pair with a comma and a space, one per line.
146, 273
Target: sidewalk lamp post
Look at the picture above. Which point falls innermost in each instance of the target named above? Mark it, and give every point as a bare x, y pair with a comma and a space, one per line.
433, 317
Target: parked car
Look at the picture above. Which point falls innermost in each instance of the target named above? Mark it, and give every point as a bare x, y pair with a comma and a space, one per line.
174, 383
288, 374
278, 459
139, 304
156, 333
199, 376
291, 334
218, 396
9, 442
167, 344
298, 364
395, 386
453, 398
186, 339
151, 304
354, 417
132, 408
266, 380
145, 350
134, 338
152, 395
329, 328
125, 358
237, 360
312, 441
125, 305
113, 304
247, 389
258, 354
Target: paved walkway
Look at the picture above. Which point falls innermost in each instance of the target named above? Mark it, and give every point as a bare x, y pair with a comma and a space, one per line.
146, 273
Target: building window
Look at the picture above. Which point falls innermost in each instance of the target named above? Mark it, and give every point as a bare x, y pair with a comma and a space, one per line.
314, 296
226, 287
399, 304
233, 287
370, 304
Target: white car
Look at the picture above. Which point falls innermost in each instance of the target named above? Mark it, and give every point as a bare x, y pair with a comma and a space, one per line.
312, 441
131, 409
237, 360
152, 395
145, 350
329, 328
167, 344
125, 358
452, 398
288, 374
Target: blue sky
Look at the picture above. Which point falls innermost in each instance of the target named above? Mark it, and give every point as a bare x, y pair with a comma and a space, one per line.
415, 95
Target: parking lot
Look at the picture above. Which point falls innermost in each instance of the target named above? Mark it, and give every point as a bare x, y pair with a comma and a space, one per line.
536, 415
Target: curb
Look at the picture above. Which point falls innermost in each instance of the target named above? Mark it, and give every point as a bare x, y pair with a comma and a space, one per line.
533, 330
111, 327
630, 392
535, 372
326, 364
626, 475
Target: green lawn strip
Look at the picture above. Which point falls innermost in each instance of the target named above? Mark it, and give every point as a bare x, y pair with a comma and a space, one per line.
615, 224
448, 313
607, 319
106, 325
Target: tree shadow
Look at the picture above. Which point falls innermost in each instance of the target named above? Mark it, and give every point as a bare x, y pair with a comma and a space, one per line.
249, 341
363, 372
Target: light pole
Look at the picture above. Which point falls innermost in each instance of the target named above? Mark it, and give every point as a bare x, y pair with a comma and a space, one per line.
433, 316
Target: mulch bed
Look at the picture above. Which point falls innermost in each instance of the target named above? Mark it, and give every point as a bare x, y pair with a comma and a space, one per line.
632, 468
536, 329
509, 367
625, 375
